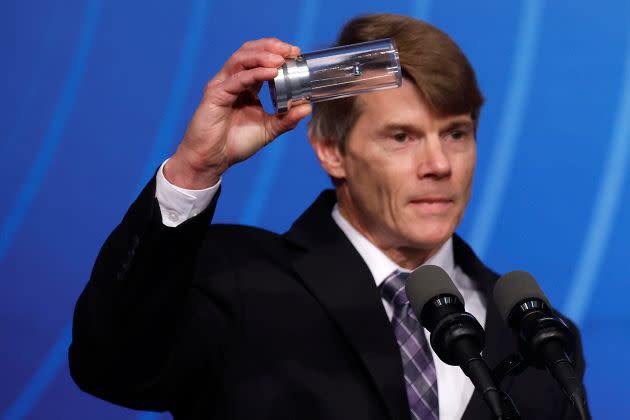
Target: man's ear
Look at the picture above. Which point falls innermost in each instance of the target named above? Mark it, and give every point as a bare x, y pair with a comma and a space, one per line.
329, 154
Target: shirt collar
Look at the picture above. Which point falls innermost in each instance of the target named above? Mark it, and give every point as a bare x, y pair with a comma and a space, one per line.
379, 264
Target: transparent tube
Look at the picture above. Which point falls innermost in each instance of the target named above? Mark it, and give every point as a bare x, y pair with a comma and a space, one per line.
336, 73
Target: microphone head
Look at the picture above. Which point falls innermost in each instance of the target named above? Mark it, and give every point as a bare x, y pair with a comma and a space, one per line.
514, 287
425, 283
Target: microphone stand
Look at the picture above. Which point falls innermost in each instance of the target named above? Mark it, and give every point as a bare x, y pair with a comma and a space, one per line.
500, 404
515, 364
458, 339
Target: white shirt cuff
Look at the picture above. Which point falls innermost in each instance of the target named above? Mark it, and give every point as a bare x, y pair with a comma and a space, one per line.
179, 204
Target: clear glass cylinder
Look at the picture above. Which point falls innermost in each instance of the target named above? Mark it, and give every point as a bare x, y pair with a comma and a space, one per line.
336, 73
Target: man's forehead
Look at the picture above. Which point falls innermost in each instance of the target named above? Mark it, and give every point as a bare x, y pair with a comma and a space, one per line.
404, 106
411, 119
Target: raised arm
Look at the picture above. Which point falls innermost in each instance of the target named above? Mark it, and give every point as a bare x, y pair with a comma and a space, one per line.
140, 335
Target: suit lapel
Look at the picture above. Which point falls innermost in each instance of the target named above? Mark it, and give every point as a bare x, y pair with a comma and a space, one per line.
499, 339
336, 275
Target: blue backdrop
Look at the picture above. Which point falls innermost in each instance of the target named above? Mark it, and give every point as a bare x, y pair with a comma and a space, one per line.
94, 94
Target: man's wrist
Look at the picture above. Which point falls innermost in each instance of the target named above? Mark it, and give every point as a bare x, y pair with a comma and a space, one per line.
178, 204
180, 173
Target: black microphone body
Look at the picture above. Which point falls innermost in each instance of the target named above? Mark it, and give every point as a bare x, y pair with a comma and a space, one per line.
456, 336
545, 341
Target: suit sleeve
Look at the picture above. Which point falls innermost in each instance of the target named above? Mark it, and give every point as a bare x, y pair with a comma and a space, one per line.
140, 333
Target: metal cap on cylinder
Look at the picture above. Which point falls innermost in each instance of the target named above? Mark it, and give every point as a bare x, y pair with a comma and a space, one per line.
291, 86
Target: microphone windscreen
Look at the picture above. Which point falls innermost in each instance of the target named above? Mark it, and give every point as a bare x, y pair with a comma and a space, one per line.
513, 288
425, 283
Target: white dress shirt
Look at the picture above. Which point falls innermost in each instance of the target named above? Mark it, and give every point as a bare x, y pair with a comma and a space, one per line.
454, 388
179, 204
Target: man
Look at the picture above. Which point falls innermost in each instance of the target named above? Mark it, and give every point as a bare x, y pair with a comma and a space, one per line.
230, 322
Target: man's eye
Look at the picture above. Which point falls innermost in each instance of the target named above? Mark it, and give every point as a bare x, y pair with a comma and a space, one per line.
400, 137
458, 134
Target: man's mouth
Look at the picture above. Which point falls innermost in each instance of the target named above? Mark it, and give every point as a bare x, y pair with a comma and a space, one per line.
433, 204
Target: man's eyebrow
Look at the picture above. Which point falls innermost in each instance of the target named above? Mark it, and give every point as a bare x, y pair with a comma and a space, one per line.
408, 128
463, 123
459, 123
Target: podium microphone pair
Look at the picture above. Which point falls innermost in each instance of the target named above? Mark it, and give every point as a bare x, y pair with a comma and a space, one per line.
458, 338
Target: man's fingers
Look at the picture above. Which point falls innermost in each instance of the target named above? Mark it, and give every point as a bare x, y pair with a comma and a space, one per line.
247, 79
273, 45
268, 52
297, 113
250, 59
279, 124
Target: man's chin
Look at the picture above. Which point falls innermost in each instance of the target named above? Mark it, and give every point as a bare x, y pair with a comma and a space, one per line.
429, 240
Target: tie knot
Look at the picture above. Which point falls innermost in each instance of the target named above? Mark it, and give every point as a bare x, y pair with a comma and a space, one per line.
393, 289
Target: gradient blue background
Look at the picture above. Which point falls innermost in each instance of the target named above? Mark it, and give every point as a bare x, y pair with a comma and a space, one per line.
95, 94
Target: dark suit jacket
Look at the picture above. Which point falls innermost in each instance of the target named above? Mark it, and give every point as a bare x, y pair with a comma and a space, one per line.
233, 322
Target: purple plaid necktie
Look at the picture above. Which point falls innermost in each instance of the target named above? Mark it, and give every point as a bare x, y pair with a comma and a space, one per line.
418, 366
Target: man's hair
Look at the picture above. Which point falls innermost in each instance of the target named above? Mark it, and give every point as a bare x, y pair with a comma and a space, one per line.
428, 57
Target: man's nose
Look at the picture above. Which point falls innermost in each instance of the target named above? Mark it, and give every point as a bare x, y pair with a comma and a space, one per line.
433, 159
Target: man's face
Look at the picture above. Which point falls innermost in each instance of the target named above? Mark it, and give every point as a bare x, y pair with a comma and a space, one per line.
406, 173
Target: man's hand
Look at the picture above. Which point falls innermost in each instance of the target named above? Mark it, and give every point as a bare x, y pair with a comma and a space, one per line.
230, 123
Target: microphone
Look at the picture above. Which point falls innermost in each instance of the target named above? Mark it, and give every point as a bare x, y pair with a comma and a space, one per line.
456, 336
544, 339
